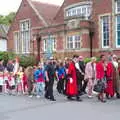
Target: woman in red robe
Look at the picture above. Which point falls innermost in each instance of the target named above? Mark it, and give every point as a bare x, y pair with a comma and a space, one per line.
109, 77
72, 86
100, 75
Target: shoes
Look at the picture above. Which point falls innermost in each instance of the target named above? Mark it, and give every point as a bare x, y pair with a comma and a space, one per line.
79, 99
70, 98
118, 95
30, 96
47, 97
82, 93
38, 96
89, 96
103, 101
52, 99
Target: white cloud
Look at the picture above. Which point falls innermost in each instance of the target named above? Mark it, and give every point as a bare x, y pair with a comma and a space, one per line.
7, 6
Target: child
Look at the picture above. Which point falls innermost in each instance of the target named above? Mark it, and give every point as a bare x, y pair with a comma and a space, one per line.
11, 83
1, 75
24, 83
39, 79
1, 81
6, 84
30, 80
19, 80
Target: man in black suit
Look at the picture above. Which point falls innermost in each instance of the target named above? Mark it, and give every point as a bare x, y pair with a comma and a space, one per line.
81, 82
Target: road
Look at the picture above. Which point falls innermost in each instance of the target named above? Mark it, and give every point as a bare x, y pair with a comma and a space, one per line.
25, 108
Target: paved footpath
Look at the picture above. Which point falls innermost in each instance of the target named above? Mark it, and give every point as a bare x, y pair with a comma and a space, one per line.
25, 108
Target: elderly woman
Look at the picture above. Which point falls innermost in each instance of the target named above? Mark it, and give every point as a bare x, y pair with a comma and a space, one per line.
90, 73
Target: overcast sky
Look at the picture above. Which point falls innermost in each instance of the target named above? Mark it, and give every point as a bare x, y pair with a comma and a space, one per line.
7, 6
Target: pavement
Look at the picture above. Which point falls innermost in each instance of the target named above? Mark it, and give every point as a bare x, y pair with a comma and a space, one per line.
25, 108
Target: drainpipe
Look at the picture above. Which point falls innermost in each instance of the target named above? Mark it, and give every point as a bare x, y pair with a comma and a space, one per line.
38, 47
91, 44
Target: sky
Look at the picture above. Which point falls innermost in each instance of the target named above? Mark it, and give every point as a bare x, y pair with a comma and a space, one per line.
7, 6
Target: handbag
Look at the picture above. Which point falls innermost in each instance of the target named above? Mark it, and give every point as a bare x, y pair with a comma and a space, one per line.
99, 87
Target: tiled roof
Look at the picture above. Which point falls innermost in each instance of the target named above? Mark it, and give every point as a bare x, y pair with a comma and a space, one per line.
3, 31
47, 11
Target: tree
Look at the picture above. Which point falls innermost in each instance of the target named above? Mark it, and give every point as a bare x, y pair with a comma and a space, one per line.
7, 20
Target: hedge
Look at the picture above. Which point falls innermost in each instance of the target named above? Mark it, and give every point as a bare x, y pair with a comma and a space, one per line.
86, 60
25, 60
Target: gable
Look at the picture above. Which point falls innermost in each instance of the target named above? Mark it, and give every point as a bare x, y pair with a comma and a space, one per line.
24, 12
47, 11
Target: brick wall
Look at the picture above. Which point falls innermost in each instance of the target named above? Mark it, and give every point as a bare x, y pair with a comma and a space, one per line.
25, 12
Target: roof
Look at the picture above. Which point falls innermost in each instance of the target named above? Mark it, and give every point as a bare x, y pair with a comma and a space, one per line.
47, 11
3, 30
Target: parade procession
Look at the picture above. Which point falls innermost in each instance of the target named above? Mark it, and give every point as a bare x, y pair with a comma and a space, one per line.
72, 77
60, 59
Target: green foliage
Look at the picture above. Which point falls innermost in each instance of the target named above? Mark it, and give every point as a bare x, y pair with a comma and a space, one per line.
7, 56
86, 60
7, 20
26, 61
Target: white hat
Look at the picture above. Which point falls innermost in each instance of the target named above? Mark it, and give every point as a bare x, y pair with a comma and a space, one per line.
114, 56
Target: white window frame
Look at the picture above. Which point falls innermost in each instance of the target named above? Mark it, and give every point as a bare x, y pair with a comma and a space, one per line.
79, 10
16, 42
45, 45
49, 40
107, 46
117, 46
25, 34
73, 41
116, 6
53, 44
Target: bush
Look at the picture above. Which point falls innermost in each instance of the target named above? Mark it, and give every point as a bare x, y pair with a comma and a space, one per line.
26, 61
86, 60
7, 56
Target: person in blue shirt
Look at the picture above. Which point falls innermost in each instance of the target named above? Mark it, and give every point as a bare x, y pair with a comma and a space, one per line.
61, 73
39, 79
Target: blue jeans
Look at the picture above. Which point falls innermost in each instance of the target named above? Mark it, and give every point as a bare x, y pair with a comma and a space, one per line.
40, 88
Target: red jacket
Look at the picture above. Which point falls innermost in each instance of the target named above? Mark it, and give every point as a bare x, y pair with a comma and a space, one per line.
100, 70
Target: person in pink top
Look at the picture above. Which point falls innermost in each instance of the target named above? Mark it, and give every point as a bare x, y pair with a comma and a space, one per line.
90, 72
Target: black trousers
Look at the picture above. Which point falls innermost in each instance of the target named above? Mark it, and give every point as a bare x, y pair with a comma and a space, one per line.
0, 88
30, 87
60, 86
84, 86
49, 89
80, 78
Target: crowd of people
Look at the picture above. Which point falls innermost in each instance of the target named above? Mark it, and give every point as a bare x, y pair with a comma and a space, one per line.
74, 78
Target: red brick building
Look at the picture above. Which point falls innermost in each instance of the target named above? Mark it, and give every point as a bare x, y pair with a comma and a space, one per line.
83, 27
